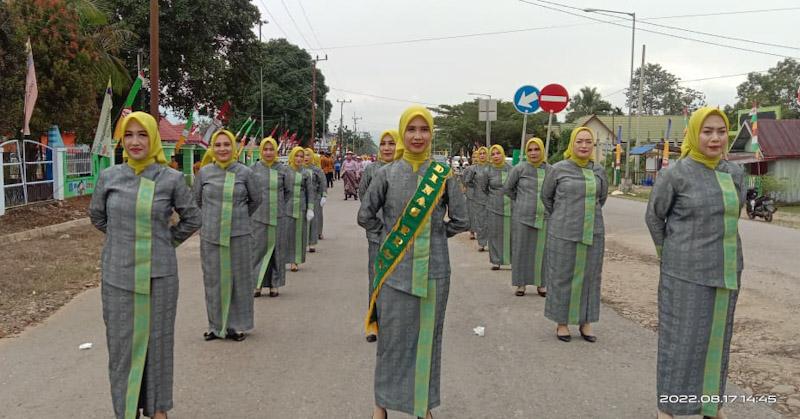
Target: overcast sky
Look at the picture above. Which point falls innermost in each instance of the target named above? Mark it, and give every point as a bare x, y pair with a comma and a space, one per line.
576, 52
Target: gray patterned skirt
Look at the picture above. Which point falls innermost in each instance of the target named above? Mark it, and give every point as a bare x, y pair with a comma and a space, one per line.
480, 224
240, 311
315, 227
500, 236
396, 369
155, 393
527, 255
294, 239
573, 288
690, 362
275, 275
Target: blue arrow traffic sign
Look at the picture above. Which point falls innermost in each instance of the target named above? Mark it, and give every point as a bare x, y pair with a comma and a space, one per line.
526, 100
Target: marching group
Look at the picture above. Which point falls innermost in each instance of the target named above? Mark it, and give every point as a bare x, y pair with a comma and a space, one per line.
545, 221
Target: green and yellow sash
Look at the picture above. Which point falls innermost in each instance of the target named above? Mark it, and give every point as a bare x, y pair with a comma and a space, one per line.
143, 247
271, 227
225, 280
506, 223
413, 222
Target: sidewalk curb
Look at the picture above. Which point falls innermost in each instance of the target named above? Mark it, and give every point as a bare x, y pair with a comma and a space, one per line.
42, 231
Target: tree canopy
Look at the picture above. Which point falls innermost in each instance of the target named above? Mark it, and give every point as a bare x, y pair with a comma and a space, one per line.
778, 86
662, 93
588, 101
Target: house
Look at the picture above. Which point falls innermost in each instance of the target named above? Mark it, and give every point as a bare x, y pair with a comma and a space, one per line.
645, 129
779, 141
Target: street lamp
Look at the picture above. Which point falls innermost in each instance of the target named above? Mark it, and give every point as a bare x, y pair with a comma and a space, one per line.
627, 181
488, 120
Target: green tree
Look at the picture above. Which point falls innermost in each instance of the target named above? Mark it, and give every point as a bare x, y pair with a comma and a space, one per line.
587, 101
662, 93
778, 86
64, 56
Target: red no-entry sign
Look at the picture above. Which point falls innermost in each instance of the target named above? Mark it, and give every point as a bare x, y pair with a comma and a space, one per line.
553, 98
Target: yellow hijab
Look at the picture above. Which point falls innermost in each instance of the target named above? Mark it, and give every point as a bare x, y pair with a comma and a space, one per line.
264, 142
691, 143
396, 136
415, 159
485, 156
308, 152
156, 154
542, 156
502, 151
292, 154
209, 157
570, 152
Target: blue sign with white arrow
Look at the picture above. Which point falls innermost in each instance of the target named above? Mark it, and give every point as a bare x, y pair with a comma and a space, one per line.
526, 100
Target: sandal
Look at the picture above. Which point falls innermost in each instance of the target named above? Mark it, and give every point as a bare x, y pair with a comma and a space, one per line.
273, 293
542, 291
257, 294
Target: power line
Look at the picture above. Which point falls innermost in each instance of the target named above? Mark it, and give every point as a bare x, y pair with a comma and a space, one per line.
313, 32
384, 97
294, 22
740, 12
273, 20
537, 4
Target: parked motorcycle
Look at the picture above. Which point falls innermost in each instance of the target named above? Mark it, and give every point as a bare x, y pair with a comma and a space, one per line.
759, 206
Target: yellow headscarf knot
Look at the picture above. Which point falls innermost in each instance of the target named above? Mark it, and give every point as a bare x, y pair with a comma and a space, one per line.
502, 151
292, 154
396, 137
264, 142
542, 156
415, 159
691, 143
210, 157
570, 152
156, 153
485, 155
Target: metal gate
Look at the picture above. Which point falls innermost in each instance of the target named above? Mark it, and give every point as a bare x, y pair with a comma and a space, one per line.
27, 172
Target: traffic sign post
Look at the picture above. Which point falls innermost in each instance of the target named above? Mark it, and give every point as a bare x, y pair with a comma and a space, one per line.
553, 99
526, 102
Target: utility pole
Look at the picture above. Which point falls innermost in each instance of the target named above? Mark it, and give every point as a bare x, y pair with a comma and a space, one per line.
341, 118
154, 59
355, 128
261, 75
314, 98
639, 107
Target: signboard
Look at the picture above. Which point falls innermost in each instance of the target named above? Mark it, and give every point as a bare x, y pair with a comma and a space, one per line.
553, 98
526, 100
487, 107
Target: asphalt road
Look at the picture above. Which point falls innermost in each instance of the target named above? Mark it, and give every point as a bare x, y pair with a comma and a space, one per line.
308, 358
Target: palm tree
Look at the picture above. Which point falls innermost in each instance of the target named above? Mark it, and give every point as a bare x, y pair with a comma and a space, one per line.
587, 102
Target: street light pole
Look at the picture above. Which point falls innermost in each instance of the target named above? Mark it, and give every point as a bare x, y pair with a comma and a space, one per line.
341, 119
355, 128
626, 182
488, 120
314, 99
261, 76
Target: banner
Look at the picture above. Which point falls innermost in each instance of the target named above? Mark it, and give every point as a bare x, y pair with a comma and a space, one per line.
103, 137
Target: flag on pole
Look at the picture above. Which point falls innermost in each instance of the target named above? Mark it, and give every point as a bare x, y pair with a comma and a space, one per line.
127, 107
216, 123
185, 133
272, 134
754, 147
103, 141
31, 90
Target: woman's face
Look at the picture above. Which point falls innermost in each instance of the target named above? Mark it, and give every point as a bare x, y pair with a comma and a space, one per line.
482, 156
136, 140
223, 148
497, 156
713, 137
268, 153
533, 152
418, 135
299, 158
387, 148
584, 145
307, 157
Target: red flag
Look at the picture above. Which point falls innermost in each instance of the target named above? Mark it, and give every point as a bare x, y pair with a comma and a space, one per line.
272, 134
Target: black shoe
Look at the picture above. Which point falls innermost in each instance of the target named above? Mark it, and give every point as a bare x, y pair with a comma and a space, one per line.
540, 292
312, 250
210, 336
372, 338
495, 268
519, 293
588, 338
238, 337
257, 294
564, 338
274, 293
